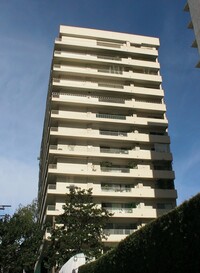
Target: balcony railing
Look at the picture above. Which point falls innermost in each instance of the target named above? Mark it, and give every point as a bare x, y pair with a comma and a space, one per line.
54, 112
111, 85
55, 129
51, 207
104, 57
53, 147
52, 187
111, 71
115, 170
100, 98
109, 58
113, 133
148, 101
52, 166
114, 100
106, 44
113, 151
110, 116
118, 231
119, 210
115, 189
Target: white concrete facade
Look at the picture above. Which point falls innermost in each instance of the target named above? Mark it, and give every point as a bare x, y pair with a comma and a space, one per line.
193, 6
105, 128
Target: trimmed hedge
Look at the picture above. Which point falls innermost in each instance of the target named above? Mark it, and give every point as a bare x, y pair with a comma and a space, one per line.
170, 244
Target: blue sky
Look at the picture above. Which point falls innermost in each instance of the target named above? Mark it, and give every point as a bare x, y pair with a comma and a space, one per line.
28, 29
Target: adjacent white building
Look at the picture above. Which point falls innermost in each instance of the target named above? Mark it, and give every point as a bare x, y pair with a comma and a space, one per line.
193, 7
106, 128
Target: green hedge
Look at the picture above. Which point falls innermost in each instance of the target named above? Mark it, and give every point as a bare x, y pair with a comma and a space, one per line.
170, 244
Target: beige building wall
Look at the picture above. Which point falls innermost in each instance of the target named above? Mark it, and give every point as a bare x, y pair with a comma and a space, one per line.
106, 128
193, 7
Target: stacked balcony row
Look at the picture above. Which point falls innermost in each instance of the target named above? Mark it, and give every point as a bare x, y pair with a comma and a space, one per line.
114, 135
103, 59
105, 116
123, 210
138, 104
137, 51
112, 190
115, 73
109, 169
110, 152
105, 86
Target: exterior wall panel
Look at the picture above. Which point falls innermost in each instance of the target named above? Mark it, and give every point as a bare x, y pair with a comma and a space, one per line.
106, 128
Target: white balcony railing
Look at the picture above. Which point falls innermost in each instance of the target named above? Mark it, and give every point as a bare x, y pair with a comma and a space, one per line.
107, 44
51, 207
113, 133
114, 151
118, 231
119, 210
140, 120
99, 98
104, 57
52, 186
115, 189
115, 170
111, 85
110, 116
112, 71
145, 65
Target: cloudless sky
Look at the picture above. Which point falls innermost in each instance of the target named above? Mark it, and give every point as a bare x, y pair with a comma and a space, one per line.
28, 29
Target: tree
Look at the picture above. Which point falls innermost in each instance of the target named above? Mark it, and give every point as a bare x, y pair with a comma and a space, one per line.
78, 229
20, 237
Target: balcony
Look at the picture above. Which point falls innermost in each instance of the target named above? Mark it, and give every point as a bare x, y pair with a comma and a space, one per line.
142, 192
119, 210
119, 231
116, 188
149, 213
95, 170
114, 238
52, 186
114, 151
65, 98
112, 100
47, 234
127, 136
113, 191
115, 235
106, 86
102, 73
115, 170
108, 152
52, 211
113, 133
109, 118
101, 46
70, 56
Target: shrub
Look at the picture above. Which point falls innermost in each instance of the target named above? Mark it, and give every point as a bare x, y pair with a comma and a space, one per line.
171, 243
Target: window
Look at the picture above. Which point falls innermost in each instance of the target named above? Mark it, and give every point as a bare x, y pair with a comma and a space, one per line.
167, 206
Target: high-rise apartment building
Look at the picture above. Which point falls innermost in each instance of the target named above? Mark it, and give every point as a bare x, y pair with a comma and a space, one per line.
106, 128
193, 6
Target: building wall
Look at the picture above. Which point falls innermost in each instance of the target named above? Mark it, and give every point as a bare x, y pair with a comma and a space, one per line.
106, 128
193, 6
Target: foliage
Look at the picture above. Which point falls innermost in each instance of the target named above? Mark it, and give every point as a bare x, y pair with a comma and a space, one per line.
168, 244
20, 237
78, 229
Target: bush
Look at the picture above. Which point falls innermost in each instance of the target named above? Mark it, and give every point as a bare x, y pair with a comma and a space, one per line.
170, 244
